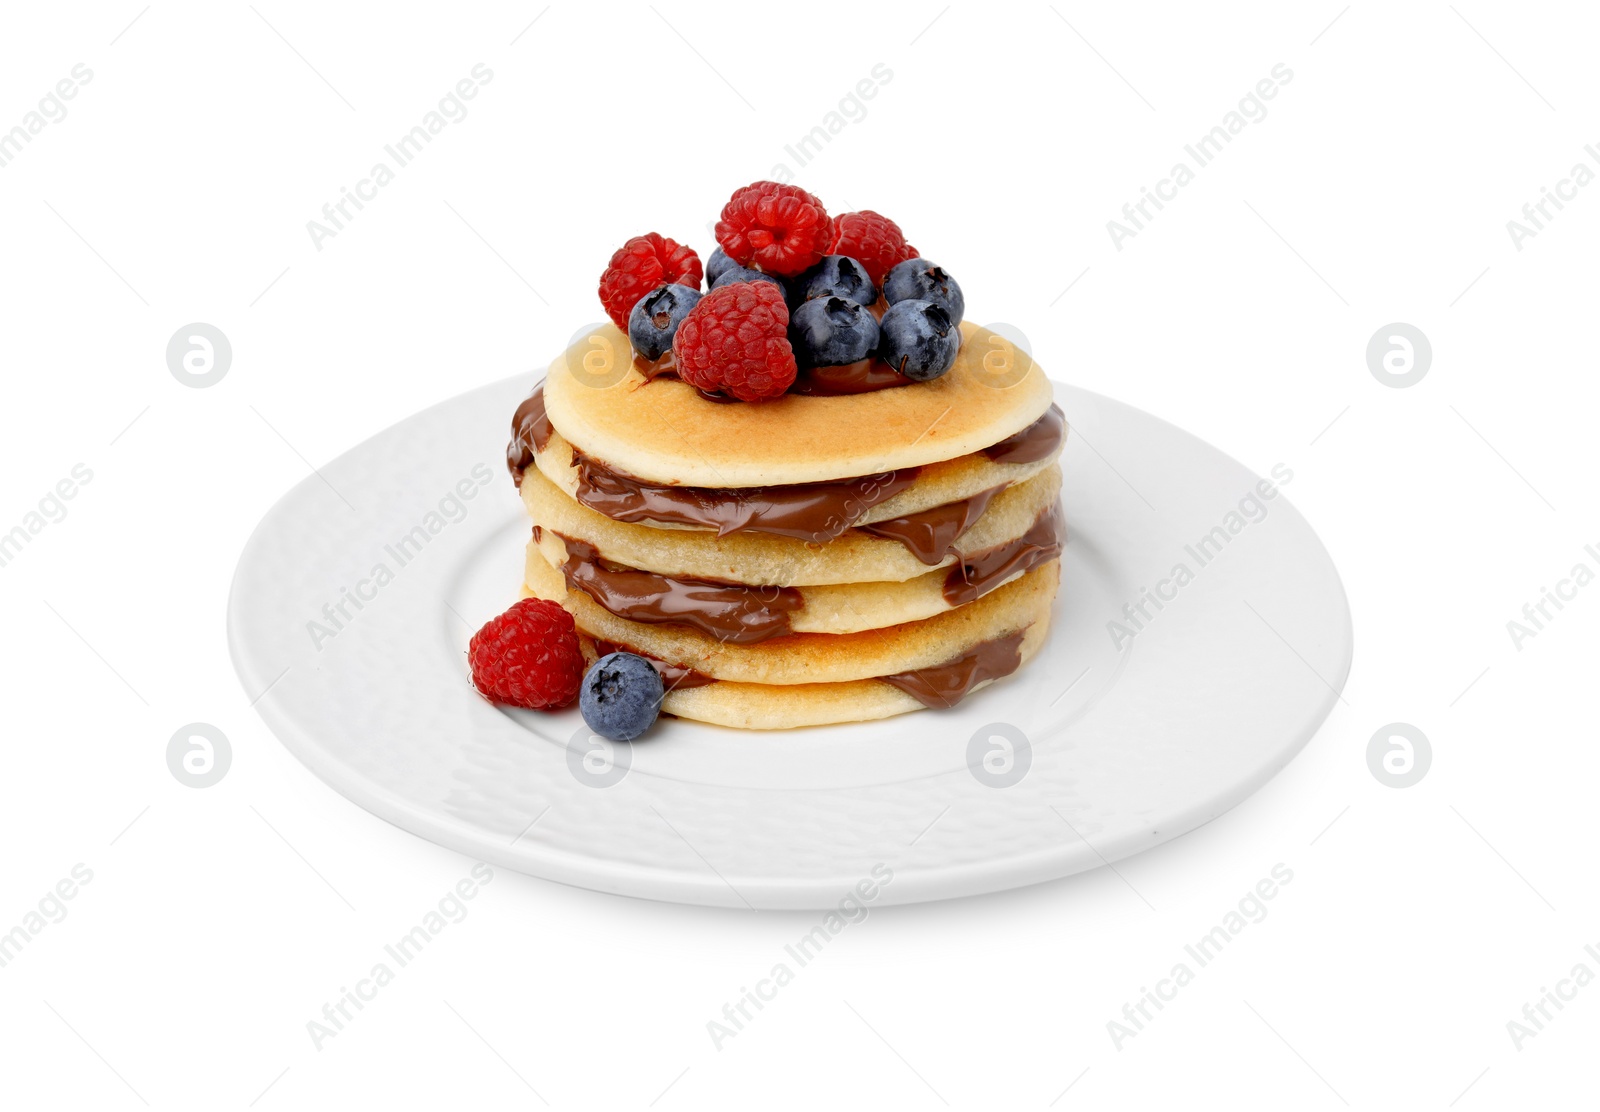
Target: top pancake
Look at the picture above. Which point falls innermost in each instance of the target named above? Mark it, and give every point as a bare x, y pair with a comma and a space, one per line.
664, 431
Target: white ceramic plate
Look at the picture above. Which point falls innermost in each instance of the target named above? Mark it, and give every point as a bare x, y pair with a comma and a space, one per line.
354, 600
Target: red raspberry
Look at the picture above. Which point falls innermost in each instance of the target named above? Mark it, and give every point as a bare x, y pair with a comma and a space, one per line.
875, 241
639, 266
736, 340
528, 656
780, 229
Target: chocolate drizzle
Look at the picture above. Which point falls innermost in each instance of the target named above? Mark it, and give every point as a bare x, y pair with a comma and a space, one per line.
861, 377
1038, 441
813, 512
730, 612
674, 677
530, 432
945, 685
652, 369
982, 572
741, 614
928, 535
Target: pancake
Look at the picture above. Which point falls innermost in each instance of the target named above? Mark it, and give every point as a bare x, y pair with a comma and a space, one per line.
936, 484
753, 614
762, 559
665, 431
754, 706
811, 658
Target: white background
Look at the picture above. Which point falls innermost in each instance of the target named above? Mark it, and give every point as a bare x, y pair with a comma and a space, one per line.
1377, 189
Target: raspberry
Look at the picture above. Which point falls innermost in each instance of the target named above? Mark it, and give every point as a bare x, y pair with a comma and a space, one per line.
639, 266
780, 229
736, 341
528, 656
875, 241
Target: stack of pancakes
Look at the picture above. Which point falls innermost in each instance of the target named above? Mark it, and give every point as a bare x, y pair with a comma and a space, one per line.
808, 560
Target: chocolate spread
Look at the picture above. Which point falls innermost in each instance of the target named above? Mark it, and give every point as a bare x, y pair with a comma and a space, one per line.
814, 512
743, 614
673, 676
928, 535
1036, 442
860, 377
656, 368
730, 612
945, 685
982, 572
530, 432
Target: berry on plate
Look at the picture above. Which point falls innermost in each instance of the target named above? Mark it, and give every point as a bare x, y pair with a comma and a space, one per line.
918, 339
920, 280
656, 316
873, 240
639, 266
835, 276
735, 341
528, 656
781, 229
621, 696
832, 332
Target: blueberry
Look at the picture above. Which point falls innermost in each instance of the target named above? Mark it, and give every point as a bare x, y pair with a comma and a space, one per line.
734, 274
920, 280
835, 276
716, 264
831, 332
621, 696
656, 316
919, 339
